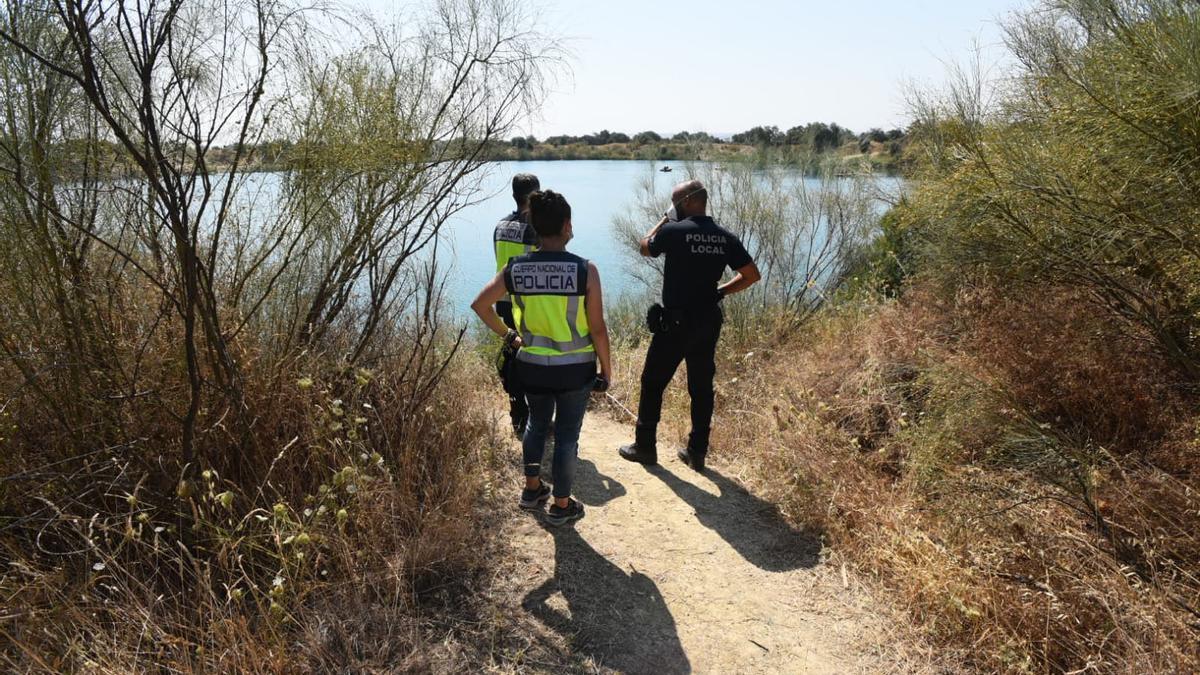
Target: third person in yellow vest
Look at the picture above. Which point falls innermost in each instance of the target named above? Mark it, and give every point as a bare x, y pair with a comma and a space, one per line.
513, 237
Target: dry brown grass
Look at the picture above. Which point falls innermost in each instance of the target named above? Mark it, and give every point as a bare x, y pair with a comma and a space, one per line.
349, 533
1017, 476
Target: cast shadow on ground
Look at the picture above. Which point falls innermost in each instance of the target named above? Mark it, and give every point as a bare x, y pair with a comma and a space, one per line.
593, 488
753, 527
619, 620
589, 487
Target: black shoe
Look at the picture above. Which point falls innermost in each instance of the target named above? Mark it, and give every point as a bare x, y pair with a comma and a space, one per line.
563, 515
692, 459
533, 500
633, 453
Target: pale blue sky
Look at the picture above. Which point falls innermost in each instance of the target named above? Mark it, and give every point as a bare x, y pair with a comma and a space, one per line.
753, 62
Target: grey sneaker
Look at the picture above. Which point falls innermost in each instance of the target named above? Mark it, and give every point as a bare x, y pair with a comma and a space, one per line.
563, 515
533, 500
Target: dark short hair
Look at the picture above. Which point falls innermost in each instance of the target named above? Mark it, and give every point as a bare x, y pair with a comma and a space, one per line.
524, 184
549, 212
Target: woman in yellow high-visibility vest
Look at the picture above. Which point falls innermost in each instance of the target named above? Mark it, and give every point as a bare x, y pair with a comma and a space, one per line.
561, 335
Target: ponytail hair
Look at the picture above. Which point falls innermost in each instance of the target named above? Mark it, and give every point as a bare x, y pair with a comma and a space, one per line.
548, 212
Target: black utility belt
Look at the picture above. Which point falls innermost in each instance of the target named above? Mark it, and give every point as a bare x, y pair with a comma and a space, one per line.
661, 319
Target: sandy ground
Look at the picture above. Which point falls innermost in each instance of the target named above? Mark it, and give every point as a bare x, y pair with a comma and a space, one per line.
671, 571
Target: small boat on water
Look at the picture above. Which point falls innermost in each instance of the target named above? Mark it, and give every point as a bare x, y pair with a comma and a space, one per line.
665, 169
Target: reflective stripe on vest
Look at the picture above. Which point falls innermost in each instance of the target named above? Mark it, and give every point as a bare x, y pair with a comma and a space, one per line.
555, 359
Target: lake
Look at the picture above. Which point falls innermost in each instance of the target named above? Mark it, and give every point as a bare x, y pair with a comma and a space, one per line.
598, 190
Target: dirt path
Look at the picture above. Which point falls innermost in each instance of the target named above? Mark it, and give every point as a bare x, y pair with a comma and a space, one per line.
674, 572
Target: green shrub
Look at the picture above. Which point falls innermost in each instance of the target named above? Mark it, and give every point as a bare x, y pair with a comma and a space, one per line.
1084, 170
884, 264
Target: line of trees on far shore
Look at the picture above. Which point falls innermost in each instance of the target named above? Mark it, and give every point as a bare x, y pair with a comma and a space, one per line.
607, 137
816, 136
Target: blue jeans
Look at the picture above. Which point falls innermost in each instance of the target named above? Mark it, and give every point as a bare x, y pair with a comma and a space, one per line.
570, 406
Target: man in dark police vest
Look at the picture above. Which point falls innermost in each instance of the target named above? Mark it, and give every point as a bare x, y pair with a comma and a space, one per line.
688, 324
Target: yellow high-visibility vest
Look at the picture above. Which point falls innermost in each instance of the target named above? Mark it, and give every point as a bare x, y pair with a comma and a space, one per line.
548, 289
513, 237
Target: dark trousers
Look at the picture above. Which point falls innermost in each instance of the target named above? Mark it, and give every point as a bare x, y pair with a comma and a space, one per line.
518, 407
695, 341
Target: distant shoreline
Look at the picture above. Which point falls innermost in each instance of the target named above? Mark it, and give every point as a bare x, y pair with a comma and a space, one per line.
875, 160
879, 169
843, 161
